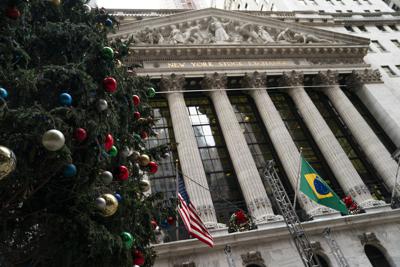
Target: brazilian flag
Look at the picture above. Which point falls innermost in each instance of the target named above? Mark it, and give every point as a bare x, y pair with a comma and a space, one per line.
313, 186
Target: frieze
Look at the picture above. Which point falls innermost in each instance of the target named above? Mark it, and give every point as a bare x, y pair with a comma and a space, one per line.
214, 30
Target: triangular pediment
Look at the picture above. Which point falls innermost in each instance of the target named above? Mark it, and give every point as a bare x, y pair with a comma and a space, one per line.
221, 27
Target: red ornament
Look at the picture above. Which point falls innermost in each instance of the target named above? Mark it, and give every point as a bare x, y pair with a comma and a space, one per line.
13, 12
153, 167
170, 220
136, 114
153, 224
123, 173
109, 142
80, 134
139, 258
110, 84
353, 206
348, 201
240, 217
144, 135
136, 100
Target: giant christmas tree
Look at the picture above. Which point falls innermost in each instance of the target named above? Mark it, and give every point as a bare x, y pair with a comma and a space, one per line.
72, 126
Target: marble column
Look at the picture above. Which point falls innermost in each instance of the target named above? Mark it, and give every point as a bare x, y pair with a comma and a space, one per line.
366, 138
280, 137
246, 170
344, 171
379, 100
189, 155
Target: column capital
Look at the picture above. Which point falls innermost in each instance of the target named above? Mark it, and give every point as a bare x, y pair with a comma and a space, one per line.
214, 81
293, 78
172, 82
254, 80
360, 77
328, 77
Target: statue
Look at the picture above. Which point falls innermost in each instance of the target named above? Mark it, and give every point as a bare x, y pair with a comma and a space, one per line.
176, 36
308, 38
263, 34
220, 34
286, 36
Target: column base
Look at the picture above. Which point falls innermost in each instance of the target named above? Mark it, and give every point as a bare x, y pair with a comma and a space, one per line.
378, 208
270, 218
271, 221
322, 212
219, 229
372, 203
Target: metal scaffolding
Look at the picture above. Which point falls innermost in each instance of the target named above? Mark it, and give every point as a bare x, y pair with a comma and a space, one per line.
336, 251
292, 220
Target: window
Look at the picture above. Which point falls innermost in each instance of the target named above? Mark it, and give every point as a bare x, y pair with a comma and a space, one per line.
367, 11
341, 2
357, 1
221, 176
322, 260
377, 10
381, 28
303, 2
245, 6
362, 28
398, 67
303, 138
378, 46
389, 71
393, 27
262, 6
339, 11
369, 2
239, 6
330, 2
349, 28
314, 2
375, 256
396, 43
348, 143
349, 11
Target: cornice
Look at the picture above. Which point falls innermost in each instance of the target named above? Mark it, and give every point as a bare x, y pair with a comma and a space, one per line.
273, 51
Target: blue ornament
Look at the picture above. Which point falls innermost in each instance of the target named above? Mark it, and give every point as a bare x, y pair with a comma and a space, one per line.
118, 197
69, 170
164, 224
3, 93
65, 99
108, 22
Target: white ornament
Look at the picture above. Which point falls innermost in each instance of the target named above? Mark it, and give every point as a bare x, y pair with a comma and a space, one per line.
53, 140
106, 177
102, 105
101, 203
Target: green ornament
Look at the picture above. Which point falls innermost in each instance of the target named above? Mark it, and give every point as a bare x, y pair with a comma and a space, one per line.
113, 151
151, 92
127, 239
137, 137
108, 52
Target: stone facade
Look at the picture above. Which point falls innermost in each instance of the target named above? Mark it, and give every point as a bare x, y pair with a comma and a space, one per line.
212, 46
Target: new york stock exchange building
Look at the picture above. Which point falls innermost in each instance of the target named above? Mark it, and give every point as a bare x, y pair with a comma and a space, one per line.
237, 91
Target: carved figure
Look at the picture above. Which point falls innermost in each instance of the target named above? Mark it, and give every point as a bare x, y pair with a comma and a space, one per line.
220, 34
308, 38
176, 36
286, 36
264, 35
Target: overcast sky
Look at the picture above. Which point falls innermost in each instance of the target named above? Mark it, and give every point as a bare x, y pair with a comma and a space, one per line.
141, 4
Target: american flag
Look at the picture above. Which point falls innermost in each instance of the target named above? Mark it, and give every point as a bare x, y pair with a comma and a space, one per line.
190, 217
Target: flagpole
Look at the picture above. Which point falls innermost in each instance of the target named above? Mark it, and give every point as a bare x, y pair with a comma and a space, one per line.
298, 180
395, 156
176, 192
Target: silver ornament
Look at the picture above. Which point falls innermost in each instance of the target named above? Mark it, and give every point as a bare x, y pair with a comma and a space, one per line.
144, 185
166, 155
101, 203
102, 105
87, 8
106, 177
8, 161
53, 140
135, 155
126, 151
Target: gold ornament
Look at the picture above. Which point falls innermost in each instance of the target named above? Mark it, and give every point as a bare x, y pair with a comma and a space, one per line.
144, 160
111, 205
56, 2
8, 161
144, 185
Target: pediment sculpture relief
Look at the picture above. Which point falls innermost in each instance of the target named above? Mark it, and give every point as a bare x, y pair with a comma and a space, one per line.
214, 30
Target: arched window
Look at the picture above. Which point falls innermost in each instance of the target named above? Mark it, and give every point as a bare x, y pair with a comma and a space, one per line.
376, 256
253, 265
322, 260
